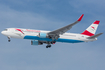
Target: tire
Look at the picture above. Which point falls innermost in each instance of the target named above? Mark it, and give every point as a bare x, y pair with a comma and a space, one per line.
46, 46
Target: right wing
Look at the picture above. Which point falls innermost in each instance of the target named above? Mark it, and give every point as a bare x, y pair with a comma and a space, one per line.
55, 34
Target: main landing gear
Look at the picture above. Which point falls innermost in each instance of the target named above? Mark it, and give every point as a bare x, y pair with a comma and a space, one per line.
48, 46
9, 39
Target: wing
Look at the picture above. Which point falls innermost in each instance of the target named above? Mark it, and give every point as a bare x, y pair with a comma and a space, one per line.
62, 30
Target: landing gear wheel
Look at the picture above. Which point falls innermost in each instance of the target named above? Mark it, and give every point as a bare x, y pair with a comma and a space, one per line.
48, 46
9, 40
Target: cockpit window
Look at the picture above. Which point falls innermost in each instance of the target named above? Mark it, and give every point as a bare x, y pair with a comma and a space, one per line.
5, 30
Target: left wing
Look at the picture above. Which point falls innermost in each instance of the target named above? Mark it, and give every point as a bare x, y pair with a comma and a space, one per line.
55, 34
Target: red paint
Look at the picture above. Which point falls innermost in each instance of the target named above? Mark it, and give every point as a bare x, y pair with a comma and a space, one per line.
93, 27
87, 33
96, 22
80, 17
20, 30
32, 30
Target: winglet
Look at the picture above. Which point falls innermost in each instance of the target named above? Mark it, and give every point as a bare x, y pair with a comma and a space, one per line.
96, 22
80, 17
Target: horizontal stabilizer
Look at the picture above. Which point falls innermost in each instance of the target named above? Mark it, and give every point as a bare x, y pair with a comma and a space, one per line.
95, 36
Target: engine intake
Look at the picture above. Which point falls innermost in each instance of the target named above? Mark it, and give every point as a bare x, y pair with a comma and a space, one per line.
36, 42
42, 35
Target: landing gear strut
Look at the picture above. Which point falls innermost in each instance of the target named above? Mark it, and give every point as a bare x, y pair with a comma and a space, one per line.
48, 46
9, 39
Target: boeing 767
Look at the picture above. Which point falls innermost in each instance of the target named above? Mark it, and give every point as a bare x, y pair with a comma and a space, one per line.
38, 37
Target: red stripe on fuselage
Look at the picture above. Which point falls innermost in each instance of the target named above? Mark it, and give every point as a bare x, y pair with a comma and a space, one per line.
87, 33
20, 30
32, 30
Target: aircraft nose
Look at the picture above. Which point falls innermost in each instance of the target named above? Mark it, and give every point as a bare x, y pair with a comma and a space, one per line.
3, 32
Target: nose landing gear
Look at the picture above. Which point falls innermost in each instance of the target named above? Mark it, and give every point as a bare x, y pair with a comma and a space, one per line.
9, 39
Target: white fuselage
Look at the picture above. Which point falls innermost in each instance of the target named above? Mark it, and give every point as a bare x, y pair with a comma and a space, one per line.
33, 35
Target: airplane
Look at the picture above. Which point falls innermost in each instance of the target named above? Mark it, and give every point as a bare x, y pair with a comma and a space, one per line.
39, 37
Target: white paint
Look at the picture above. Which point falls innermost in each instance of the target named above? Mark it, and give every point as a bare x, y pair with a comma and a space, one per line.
13, 33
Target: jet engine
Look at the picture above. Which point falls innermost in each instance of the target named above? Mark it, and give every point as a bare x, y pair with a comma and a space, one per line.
36, 42
42, 35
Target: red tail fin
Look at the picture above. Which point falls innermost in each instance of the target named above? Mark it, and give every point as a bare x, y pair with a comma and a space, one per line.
90, 31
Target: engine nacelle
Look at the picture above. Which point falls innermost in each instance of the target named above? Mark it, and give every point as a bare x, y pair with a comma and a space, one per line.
42, 35
36, 42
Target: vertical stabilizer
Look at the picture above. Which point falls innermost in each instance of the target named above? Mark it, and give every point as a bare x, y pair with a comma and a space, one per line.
91, 30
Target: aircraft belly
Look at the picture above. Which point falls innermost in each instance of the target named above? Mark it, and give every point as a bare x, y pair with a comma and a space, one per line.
69, 40
47, 39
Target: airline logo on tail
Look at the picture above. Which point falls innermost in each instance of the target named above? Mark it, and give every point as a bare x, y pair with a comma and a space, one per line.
93, 27
91, 30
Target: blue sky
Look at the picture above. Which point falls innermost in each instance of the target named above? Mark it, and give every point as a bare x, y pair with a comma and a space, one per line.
51, 15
